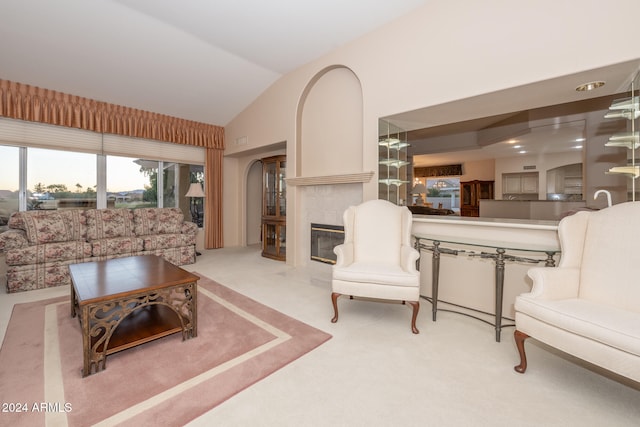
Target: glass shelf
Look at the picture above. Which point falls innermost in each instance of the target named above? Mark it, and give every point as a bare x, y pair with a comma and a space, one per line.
394, 163
627, 108
390, 181
633, 171
629, 140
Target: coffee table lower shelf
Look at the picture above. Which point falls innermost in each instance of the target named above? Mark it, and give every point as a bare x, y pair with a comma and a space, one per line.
141, 326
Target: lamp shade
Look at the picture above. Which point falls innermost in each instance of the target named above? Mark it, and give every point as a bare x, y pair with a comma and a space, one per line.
195, 190
419, 189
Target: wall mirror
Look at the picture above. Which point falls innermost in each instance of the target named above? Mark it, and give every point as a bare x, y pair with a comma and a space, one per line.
542, 145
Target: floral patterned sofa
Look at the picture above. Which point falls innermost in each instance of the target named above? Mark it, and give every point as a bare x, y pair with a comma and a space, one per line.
39, 245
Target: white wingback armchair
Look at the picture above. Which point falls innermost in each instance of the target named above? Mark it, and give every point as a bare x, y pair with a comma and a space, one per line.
377, 260
589, 306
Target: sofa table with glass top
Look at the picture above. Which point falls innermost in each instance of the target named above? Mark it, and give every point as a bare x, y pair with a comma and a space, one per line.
499, 254
124, 302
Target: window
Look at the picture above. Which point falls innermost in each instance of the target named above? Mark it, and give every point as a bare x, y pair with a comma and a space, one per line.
9, 183
55, 167
57, 179
443, 192
60, 179
131, 182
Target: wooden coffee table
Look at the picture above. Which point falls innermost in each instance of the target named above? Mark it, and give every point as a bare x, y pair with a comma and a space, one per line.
125, 302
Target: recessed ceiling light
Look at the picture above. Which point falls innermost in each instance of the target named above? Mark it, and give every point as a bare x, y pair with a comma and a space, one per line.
580, 139
577, 146
512, 141
590, 86
522, 152
517, 146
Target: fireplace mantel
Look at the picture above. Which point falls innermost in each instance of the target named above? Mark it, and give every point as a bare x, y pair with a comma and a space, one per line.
348, 178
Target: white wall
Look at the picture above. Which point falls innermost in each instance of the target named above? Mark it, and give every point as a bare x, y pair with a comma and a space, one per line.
441, 52
482, 170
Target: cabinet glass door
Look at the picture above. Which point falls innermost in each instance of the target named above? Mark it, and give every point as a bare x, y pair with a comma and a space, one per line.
282, 189
270, 189
270, 241
486, 190
467, 197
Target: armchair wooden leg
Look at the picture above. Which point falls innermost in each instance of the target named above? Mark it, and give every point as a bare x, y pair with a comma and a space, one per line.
520, 337
334, 300
416, 308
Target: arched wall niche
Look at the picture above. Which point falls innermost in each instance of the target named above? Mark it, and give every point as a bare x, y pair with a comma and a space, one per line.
329, 144
329, 124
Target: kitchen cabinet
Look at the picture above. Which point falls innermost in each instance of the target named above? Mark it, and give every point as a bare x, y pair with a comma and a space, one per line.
520, 183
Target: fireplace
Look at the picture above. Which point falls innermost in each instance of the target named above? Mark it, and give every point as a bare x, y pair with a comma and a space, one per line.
324, 238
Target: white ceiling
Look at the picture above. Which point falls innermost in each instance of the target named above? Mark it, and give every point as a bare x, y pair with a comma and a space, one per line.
201, 60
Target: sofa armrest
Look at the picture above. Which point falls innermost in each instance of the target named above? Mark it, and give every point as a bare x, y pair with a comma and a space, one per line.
189, 228
13, 239
408, 257
554, 283
344, 253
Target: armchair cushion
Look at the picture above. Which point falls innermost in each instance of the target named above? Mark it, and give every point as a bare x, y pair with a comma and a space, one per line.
608, 325
383, 274
610, 257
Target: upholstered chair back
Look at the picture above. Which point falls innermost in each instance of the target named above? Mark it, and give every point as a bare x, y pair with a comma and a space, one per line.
605, 246
377, 229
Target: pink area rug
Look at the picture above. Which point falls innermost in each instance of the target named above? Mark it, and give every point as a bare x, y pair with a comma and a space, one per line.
166, 382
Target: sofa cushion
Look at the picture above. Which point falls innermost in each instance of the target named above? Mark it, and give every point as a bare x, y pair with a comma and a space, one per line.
148, 221
606, 324
46, 228
50, 226
109, 223
76, 251
177, 256
38, 276
164, 241
116, 246
13, 239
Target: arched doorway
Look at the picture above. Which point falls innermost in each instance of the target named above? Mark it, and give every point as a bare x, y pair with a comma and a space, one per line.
254, 204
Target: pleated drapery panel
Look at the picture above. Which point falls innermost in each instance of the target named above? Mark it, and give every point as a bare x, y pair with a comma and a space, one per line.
213, 199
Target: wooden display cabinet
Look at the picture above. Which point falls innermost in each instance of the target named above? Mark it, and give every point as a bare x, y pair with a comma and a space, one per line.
470, 194
274, 207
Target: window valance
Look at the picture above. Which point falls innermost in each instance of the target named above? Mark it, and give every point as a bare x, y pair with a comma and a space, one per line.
31, 103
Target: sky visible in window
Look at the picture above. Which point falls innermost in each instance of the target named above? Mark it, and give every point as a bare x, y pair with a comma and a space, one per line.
62, 167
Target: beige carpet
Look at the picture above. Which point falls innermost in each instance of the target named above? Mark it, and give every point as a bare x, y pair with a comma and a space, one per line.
165, 382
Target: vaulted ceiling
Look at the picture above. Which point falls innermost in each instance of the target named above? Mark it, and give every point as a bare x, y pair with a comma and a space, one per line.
201, 60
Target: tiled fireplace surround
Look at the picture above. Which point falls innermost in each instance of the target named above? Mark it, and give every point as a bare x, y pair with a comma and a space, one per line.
324, 204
